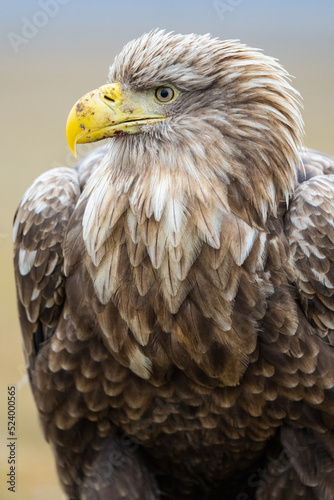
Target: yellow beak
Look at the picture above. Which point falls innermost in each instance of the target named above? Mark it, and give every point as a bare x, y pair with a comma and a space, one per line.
107, 112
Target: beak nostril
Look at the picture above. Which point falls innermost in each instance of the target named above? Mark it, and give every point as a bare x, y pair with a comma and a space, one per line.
108, 98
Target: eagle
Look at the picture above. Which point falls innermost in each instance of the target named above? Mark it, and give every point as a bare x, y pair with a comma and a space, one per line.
176, 288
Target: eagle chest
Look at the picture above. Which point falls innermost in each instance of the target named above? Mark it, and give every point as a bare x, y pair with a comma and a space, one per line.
178, 315
181, 298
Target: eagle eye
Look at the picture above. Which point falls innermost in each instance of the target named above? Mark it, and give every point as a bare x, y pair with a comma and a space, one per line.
165, 94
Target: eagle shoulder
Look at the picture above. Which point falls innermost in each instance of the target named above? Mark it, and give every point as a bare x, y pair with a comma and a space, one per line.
309, 226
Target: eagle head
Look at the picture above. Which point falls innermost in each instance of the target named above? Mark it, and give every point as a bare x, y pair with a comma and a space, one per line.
215, 110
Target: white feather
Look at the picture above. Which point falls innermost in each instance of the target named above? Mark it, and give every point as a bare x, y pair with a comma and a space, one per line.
26, 260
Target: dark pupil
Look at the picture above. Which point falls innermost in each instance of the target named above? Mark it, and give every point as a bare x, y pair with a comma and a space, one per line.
164, 93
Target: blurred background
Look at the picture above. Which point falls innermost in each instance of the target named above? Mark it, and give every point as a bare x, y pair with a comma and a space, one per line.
54, 51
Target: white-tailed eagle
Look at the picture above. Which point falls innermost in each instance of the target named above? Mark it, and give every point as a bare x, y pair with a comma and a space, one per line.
175, 289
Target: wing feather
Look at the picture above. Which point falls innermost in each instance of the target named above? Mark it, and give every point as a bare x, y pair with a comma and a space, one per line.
39, 227
309, 226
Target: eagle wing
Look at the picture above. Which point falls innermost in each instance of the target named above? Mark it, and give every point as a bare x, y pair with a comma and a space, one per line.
310, 231
40, 224
304, 463
39, 228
